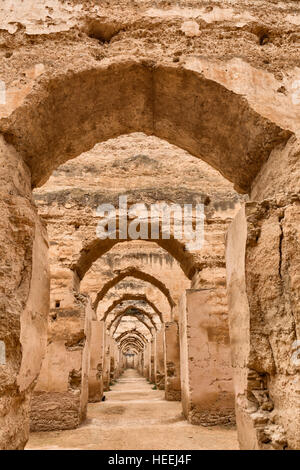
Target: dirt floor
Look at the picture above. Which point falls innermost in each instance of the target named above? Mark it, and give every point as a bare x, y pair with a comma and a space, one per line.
134, 416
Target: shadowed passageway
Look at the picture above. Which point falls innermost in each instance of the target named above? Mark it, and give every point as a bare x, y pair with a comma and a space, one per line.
134, 416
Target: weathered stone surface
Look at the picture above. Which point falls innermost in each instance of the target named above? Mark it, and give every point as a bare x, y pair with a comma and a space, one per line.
23, 314
61, 394
153, 358
160, 360
96, 361
172, 362
205, 368
263, 333
218, 81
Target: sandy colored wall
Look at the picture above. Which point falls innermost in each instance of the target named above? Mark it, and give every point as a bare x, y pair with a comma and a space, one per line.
106, 362
160, 360
153, 358
249, 77
146, 361
60, 397
262, 327
172, 362
207, 383
96, 361
24, 289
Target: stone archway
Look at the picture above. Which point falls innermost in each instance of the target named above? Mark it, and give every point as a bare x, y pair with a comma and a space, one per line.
137, 297
135, 312
137, 321
95, 248
131, 340
130, 286
132, 271
222, 129
133, 333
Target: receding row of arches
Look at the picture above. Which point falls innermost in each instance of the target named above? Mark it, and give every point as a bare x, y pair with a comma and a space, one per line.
68, 114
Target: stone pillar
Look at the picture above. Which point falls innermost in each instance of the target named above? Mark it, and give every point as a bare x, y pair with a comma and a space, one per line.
152, 358
262, 259
120, 363
149, 360
146, 364
60, 397
106, 362
160, 360
117, 361
205, 366
112, 360
24, 297
172, 362
96, 361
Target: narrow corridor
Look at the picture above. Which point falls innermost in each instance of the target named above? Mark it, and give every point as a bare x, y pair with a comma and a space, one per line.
134, 416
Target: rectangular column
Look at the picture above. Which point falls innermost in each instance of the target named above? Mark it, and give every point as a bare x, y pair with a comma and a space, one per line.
112, 360
24, 299
106, 362
146, 365
152, 359
172, 362
263, 264
60, 397
149, 360
96, 361
117, 361
160, 360
206, 372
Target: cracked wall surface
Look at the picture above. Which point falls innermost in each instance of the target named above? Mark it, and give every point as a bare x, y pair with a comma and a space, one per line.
74, 74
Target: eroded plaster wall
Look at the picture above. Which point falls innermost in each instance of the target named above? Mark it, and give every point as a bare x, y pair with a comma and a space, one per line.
60, 396
205, 362
58, 51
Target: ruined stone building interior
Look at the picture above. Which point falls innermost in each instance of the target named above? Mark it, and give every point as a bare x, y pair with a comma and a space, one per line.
185, 346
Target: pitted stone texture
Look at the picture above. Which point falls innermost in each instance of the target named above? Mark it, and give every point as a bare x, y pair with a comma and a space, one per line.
205, 367
172, 362
267, 391
24, 288
63, 382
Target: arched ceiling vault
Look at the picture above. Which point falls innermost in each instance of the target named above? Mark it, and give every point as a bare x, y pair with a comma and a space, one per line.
141, 324
131, 342
138, 274
66, 115
136, 312
137, 297
131, 333
142, 321
96, 248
